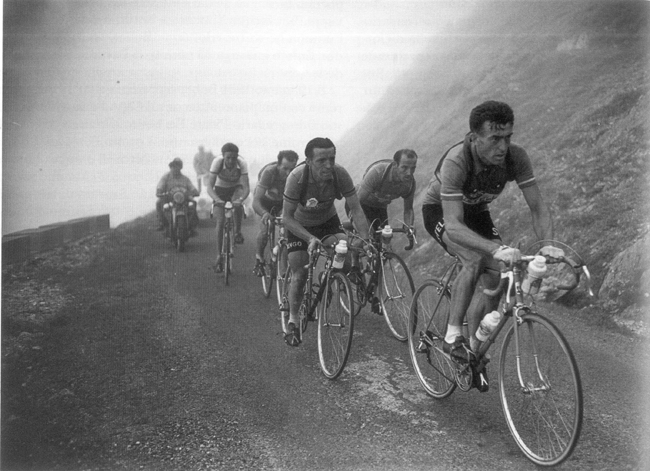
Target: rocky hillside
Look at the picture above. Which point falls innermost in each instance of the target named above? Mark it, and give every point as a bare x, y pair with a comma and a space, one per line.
575, 74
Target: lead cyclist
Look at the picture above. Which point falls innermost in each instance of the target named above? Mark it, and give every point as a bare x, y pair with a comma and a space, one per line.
456, 213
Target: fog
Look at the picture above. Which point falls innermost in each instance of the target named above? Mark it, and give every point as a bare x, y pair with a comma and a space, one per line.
98, 96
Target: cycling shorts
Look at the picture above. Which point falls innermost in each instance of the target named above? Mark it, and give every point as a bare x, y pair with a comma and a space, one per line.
329, 227
479, 222
226, 194
271, 206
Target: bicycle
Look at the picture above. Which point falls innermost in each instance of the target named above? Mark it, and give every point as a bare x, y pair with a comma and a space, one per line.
387, 283
269, 270
539, 382
332, 295
227, 239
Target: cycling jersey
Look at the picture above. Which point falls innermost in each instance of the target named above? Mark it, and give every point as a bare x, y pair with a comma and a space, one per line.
317, 205
465, 178
381, 187
272, 181
228, 177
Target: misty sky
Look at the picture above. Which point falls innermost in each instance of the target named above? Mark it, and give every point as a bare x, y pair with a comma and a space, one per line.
99, 95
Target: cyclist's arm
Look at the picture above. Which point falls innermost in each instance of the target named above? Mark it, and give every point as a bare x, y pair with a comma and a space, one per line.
542, 222
212, 179
409, 215
246, 189
358, 216
290, 223
257, 201
459, 233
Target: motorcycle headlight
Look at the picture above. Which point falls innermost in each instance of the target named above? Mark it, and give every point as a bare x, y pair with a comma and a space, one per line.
178, 197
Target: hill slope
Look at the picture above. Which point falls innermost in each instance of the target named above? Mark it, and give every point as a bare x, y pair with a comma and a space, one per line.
575, 75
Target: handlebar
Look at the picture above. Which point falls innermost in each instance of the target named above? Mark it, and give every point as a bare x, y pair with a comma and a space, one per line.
405, 229
507, 276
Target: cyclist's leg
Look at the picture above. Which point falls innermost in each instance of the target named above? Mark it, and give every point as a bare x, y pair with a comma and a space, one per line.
218, 212
239, 209
298, 258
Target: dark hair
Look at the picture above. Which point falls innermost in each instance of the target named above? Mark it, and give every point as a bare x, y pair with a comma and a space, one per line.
319, 143
410, 153
494, 111
287, 154
229, 147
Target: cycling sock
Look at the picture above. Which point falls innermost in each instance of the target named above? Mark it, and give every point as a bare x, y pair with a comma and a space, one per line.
453, 331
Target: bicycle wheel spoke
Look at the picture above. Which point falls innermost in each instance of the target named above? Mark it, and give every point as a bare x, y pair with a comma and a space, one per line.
428, 320
395, 294
335, 325
541, 394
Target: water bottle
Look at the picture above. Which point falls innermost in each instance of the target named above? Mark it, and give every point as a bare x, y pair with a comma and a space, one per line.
386, 235
533, 280
341, 251
487, 325
274, 253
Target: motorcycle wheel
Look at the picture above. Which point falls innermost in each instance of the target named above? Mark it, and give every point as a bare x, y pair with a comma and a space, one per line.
182, 233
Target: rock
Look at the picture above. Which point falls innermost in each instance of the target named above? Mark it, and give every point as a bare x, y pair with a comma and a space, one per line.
628, 280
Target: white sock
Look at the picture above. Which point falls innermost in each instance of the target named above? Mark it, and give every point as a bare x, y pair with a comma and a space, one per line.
453, 331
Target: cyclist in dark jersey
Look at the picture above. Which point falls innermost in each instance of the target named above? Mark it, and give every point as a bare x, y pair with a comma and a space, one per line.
267, 198
310, 215
468, 181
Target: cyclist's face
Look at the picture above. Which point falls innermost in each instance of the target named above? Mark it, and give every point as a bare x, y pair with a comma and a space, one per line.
286, 166
493, 141
322, 163
406, 168
230, 159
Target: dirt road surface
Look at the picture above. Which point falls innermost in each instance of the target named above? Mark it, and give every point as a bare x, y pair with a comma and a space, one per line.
119, 353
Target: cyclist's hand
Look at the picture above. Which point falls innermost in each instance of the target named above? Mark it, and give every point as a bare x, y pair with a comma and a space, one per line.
265, 218
550, 251
313, 245
506, 254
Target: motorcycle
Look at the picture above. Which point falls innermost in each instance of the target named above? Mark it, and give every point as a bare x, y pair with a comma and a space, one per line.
177, 212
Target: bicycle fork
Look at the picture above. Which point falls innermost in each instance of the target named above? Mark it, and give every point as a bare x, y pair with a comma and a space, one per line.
528, 388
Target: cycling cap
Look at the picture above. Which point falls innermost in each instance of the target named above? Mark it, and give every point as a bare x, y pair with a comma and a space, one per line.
229, 147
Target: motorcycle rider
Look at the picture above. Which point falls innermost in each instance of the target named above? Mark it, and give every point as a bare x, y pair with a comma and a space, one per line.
175, 179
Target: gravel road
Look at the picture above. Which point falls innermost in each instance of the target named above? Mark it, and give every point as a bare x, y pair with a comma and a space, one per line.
119, 353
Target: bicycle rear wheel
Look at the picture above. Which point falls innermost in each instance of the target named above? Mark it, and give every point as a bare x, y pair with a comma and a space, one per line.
335, 325
545, 413
427, 326
269, 269
395, 293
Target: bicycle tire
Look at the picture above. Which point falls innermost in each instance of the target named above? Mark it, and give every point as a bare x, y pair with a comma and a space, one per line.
428, 319
226, 256
545, 417
283, 284
335, 325
395, 292
269, 269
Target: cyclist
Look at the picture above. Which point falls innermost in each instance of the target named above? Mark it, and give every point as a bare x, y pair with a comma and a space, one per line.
175, 179
267, 198
385, 181
468, 181
309, 214
228, 181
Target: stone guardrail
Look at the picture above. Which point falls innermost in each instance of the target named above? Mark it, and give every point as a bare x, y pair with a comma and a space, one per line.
21, 245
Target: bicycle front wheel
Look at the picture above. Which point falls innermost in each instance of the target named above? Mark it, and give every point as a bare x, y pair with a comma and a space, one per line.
226, 257
269, 270
427, 326
541, 391
395, 294
335, 325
